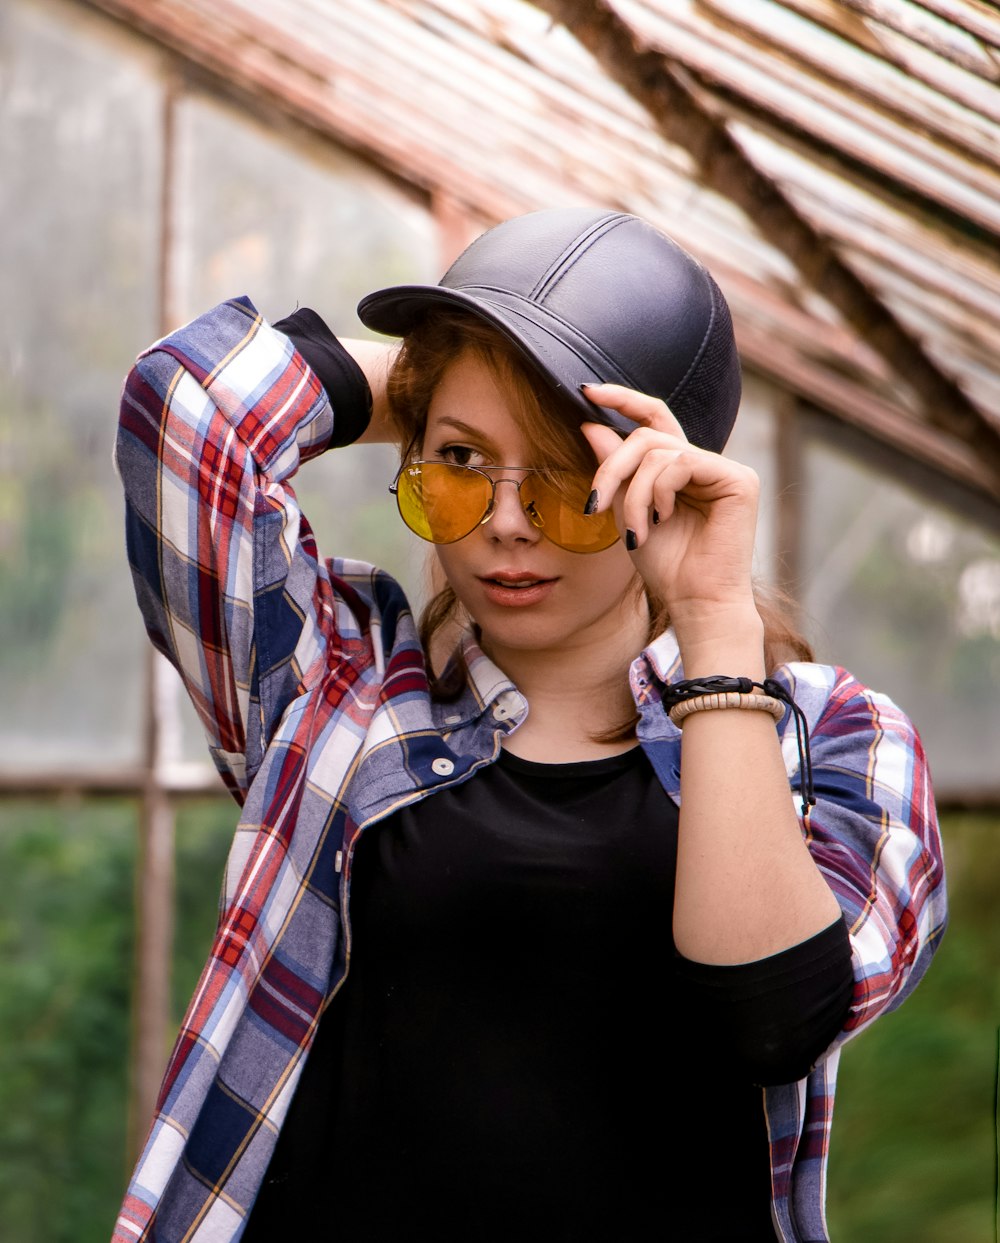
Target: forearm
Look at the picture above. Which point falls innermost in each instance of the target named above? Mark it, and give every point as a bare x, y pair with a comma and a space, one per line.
212, 421
747, 886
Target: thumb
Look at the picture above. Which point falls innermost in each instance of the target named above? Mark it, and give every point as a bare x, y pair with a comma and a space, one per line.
603, 440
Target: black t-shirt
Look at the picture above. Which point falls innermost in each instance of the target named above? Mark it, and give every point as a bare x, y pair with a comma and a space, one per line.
515, 1053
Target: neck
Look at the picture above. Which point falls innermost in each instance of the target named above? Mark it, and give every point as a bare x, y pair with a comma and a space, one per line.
576, 693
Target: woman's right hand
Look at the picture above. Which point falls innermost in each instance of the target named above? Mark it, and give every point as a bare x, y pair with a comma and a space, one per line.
696, 555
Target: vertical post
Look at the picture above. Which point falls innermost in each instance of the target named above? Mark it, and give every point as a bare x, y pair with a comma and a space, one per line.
456, 228
154, 889
789, 475
154, 934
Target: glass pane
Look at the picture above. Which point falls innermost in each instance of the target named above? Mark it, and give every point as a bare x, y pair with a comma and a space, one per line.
79, 146
908, 598
291, 223
66, 933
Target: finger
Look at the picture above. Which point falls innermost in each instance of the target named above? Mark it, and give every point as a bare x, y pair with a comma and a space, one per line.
639, 407
619, 464
604, 442
654, 487
602, 439
652, 493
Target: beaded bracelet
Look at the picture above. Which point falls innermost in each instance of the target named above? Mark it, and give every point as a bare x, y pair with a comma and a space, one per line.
704, 694
726, 699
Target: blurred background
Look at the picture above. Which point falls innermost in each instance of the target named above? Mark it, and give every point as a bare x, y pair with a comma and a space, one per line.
836, 165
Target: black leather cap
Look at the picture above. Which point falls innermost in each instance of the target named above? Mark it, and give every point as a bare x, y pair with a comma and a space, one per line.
591, 296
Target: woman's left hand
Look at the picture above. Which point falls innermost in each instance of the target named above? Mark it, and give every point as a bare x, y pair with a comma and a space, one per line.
692, 513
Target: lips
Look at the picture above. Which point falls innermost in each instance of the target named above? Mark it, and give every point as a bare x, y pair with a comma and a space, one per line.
518, 584
513, 588
515, 579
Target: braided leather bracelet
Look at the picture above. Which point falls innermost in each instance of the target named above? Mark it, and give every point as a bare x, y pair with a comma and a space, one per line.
704, 694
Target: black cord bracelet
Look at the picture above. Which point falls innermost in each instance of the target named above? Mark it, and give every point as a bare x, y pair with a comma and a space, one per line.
720, 685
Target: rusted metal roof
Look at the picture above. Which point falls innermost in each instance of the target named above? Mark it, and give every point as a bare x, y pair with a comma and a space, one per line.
835, 162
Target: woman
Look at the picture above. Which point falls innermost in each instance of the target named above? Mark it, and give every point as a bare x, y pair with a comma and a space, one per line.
554, 953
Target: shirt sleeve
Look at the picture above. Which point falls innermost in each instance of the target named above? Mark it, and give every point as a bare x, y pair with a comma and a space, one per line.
215, 420
873, 833
339, 373
772, 1019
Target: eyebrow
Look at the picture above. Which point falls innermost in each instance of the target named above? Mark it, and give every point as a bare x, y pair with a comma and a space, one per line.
466, 429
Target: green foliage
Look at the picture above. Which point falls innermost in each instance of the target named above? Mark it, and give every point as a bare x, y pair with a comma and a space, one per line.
913, 1155
66, 967
65, 972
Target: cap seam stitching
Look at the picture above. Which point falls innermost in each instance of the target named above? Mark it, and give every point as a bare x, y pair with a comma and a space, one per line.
556, 269
604, 356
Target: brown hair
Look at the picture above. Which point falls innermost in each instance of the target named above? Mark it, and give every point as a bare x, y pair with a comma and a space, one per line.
553, 427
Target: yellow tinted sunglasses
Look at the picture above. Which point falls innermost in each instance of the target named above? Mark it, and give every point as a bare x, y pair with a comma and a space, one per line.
442, 502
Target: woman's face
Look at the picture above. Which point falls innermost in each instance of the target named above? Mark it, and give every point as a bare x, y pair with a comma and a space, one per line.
525, 592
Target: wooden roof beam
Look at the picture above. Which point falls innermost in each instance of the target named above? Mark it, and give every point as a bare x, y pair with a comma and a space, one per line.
651, 79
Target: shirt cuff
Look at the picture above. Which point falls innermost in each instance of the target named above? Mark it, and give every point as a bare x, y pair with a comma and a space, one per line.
338, 372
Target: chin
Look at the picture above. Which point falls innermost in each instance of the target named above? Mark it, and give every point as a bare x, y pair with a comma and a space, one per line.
524, 633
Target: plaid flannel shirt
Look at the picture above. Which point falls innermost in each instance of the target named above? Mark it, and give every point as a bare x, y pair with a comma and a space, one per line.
309, 680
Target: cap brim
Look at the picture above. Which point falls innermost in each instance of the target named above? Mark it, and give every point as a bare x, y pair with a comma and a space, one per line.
564, 364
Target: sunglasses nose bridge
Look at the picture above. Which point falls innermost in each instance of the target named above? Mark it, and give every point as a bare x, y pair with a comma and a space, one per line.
526, 507
497, 479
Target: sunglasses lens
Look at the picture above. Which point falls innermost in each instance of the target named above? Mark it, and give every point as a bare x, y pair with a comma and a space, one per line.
440, 502
558, 514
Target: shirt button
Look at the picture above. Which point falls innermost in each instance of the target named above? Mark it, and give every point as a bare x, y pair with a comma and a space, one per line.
443, 767
500, 713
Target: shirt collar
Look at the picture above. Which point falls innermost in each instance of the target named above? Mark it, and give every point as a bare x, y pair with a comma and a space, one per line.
657, 666
487, 689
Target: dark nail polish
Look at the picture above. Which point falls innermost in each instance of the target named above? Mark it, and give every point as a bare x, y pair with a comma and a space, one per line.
656, 517
592, 503
631, 543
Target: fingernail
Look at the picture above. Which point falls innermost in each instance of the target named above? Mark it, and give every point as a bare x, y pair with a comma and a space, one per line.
631, 543
592, 503
656, 517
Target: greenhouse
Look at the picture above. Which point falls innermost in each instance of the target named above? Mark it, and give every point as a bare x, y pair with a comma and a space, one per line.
834, 163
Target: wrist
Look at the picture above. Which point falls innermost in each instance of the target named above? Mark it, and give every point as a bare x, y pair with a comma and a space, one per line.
726, 640
343, 379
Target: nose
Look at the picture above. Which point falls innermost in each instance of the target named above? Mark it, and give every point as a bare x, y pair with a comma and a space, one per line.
509, 521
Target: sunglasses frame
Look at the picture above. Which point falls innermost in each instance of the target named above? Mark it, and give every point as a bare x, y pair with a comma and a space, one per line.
534, 518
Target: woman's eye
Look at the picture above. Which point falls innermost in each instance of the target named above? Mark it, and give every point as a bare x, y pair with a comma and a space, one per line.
461, 455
